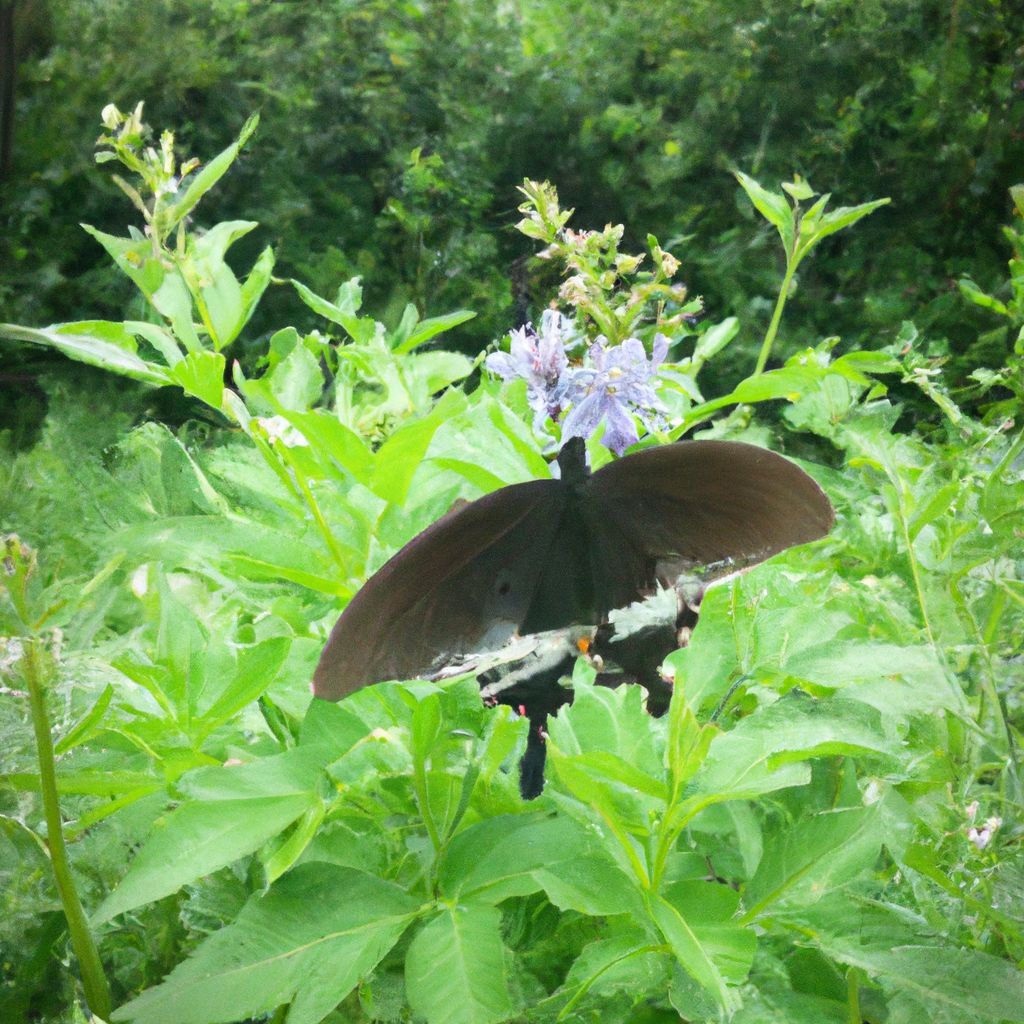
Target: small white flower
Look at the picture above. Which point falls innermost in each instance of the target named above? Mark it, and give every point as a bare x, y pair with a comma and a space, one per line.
279, 429
140, 581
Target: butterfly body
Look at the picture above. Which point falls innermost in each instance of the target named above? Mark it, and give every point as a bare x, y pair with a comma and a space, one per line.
546, 554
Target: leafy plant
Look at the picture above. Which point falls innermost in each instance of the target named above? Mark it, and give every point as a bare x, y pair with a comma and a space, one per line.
825, 825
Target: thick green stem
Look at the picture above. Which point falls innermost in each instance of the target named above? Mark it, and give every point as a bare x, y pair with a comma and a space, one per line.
773, 327
94, 981
853, 978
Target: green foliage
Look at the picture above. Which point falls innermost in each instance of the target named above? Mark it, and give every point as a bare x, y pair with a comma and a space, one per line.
395, 134
825, 825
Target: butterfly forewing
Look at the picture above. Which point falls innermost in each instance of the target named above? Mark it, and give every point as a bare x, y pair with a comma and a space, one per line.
463, 584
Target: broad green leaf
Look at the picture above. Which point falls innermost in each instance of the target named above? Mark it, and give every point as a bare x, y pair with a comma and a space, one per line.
887, 676
309, 941
514, 855
257, 668
626, 961
744, 760
201, 374
333, 442
434, 371
710, 911
213, 284
400, 456
772, 206
804, 862
297, 381
691, 953
940, 984
455, 970
94, 350
605, 720
782, 1006
233, 811
215, 544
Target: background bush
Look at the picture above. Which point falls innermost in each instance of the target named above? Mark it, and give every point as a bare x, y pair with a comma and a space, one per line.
394, 135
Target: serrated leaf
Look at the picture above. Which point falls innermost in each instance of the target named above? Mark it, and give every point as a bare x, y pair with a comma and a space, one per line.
803, 863
232, 813
309, 941
201, 374
455, 970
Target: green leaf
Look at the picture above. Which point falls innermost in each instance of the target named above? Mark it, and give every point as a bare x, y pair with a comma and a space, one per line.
310, 940
92, 347
257, 668
360, 329
398, 459
515, 855
839, 218
88, 725
162, 340
434, 371
430, 328
255, 285
710, 911
334, 443
233, 812
202, 182
772, 206
455, 969
939, 984
297, 380
212, 282
201, 374
759, 752
715, 338
694, 958
803, 863
623, 962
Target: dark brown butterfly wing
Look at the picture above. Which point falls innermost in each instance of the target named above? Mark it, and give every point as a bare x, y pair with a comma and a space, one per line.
654, 514
463, 584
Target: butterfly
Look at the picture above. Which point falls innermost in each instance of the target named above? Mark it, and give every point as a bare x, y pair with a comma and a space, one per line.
546, 554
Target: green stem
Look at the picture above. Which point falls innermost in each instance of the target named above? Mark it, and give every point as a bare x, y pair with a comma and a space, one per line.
313, 505
853, 976
773, 327
94, 981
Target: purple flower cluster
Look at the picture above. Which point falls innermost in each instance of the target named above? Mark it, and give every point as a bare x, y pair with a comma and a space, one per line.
616, 384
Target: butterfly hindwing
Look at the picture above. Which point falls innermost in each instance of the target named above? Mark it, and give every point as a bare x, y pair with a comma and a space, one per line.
701, 502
